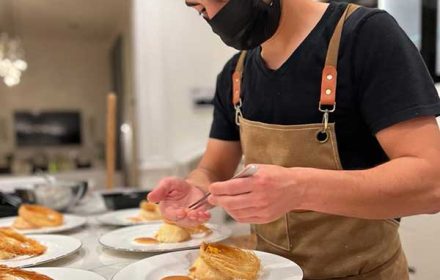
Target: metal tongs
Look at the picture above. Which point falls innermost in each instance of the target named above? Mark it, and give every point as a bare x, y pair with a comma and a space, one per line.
246, 172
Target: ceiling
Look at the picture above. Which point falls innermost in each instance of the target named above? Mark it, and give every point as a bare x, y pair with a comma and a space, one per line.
84, 19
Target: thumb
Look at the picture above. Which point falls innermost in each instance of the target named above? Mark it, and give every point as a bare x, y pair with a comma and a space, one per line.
157, 195
162, 190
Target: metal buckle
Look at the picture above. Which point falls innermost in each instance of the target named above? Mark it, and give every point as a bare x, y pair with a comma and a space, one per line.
325, 120
321, 108
238, 112
323, 135
325, 116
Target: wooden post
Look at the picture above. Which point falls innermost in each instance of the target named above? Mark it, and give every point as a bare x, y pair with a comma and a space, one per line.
111, 139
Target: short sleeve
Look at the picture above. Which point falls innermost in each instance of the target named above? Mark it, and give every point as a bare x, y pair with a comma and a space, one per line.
393, 82
223, 125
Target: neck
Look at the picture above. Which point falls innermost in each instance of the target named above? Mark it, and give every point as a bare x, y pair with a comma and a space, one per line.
298, 18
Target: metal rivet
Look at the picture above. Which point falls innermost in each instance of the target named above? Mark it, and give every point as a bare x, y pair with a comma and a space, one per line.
237, 80
236, 91
329, 77
328, 91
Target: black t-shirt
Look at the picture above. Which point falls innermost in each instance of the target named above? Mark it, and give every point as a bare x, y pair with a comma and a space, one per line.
382, 81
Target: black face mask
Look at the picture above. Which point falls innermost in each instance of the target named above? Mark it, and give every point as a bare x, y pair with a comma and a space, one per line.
246, 24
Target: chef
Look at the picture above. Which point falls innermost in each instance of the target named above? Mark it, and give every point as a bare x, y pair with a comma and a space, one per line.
335, 106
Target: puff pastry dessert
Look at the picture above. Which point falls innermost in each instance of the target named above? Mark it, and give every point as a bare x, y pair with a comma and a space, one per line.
149, 211
11, 273
13, 244
37, 216
222, 262
171, 233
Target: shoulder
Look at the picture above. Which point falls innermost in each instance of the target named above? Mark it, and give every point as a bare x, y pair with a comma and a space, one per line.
363, 14
373, 24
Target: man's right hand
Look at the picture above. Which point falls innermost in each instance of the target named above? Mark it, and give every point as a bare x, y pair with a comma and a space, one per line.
174, 195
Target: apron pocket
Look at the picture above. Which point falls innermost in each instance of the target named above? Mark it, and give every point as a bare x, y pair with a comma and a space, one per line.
337, 247
274, 234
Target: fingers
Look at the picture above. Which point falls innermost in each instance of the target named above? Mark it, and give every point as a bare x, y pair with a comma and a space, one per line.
188, 223
173, 213
198, 215
193, 218
251, 215
236, 202
186, 217
231, 187
246, 215
155, 195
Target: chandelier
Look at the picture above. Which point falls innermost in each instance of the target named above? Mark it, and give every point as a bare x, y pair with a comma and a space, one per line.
12, 62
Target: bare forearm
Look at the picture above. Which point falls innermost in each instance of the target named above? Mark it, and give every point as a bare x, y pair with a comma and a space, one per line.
218, 163
202, 178
401, 187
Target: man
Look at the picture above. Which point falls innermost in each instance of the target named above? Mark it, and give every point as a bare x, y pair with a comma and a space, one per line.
335, 106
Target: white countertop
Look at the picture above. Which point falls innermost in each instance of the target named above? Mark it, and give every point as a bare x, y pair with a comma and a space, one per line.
92, 256
105, 262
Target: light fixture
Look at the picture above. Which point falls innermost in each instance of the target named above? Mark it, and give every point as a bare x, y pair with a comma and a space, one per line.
12, 62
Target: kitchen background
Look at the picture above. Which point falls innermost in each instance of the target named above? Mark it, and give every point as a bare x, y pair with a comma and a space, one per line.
161, 61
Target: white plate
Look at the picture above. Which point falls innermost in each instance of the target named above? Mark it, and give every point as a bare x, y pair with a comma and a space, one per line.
274, 267
121, 218
58, 246
61, 273
123, 239
70, 222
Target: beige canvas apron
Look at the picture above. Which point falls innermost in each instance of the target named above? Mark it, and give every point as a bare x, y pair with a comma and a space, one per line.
324, 246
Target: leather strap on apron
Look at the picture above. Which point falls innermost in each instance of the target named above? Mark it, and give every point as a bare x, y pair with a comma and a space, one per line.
329, 74
325, 246
237, 77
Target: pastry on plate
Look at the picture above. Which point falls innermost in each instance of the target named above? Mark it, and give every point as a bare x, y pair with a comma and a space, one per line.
171, 233
37, 216
199, 229
13, 244
222, 262
177, 278
11, 273
149, 211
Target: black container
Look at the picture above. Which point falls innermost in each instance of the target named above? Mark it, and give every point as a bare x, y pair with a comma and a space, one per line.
123, 199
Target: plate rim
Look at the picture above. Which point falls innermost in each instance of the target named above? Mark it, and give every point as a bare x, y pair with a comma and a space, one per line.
229, 233
100, 277
48, 230
121, 224
80, 245
195, 251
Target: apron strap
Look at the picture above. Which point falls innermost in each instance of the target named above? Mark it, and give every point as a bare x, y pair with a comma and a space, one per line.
330, 73
237, 77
